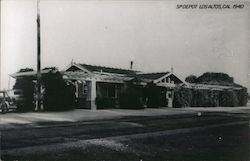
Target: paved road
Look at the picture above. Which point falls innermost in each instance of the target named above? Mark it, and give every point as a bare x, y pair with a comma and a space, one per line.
138, 137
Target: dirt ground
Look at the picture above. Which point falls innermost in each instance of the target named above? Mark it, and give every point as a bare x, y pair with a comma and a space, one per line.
33, 119
208, 136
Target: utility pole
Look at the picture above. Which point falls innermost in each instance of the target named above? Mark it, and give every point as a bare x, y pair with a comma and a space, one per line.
38, 90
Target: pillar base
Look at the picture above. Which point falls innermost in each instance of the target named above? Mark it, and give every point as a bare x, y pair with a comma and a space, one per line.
93, 105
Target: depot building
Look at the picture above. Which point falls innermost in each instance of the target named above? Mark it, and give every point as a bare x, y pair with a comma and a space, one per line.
97, 85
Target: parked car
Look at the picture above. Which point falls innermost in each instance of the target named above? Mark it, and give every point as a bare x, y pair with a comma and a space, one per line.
7, 103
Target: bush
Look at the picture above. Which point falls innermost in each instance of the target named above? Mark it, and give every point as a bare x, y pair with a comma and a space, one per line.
228, 98
183, 97
243, 96
131, 98
205, 98
191, 79
154, 96
28, 87
105, 102
214, 77
58, 95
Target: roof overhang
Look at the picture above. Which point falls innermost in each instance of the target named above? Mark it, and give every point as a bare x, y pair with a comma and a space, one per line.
211, 87
79, 67
29, 73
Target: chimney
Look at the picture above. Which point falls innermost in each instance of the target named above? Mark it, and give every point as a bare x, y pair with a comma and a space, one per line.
172, 69
131, 65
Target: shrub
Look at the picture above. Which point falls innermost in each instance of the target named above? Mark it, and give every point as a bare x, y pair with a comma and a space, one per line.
105, 102
131, 98
228, 98
191, 79
154, 96
205, 98
183, 97
243, 96
214, 77
58, 95
28, 87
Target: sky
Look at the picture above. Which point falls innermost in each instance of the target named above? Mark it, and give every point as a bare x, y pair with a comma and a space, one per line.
154, 34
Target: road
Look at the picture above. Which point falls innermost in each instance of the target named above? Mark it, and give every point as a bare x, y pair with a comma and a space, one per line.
207, 136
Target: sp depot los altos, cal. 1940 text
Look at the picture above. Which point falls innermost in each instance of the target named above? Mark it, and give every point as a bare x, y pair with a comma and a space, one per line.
210, 6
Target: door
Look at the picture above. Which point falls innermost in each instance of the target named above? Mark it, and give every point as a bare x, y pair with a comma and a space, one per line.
169, 98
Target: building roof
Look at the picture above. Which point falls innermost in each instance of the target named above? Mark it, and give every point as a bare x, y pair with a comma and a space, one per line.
151, 76
30, 73
94, 68
214, 87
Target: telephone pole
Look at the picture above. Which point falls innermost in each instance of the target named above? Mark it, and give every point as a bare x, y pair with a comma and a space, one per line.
38, 90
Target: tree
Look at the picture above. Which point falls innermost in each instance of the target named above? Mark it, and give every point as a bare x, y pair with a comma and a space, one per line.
131, 97
51, 68
220, 78
207, 98
27, 86
25, 70
191, 79
59, 94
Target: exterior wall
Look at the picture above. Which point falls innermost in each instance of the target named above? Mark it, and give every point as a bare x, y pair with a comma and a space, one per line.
163, 92
95, 95
169, 83
132, 96
169, 97
91, 95
91, 92
111, 90
108, 94
88, 95
158, 96
80, 93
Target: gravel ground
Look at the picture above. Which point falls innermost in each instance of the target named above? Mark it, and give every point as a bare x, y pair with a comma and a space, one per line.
209, 136
32, 119
224, 143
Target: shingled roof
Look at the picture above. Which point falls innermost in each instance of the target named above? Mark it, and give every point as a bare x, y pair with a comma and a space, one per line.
151, 76
94, 68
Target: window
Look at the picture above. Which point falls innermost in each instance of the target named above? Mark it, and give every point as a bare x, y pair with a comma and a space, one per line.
111, 91
85, 89
81, 89
17, 92
168, 94
117, 91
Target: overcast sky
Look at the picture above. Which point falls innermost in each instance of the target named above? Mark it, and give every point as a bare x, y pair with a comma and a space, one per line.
154, 34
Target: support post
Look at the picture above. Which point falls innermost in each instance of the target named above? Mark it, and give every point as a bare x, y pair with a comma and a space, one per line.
38, 91
172, 98
93, 94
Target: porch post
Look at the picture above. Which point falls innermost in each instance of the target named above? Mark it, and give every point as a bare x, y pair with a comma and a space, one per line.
93, 94
172, 97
